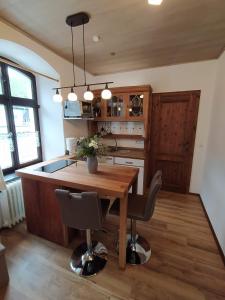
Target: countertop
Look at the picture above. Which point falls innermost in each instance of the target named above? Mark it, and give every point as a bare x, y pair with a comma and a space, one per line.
108, 180
128, 152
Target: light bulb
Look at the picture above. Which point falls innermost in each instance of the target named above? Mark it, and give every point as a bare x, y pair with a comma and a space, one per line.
88, 95
57, 97
72, 96
106, 93
155, 2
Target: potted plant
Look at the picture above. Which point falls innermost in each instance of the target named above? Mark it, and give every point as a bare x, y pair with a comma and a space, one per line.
90, 148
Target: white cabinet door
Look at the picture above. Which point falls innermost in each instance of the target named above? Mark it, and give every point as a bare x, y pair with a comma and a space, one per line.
137, 163
129, 161
107, 160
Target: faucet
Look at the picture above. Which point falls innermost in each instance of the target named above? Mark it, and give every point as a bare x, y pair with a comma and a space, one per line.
116, 146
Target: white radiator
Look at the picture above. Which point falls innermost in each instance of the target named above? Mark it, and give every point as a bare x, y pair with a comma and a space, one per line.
11, 204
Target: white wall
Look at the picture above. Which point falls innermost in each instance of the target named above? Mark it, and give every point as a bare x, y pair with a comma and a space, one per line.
192, 76
52, 135
213, 187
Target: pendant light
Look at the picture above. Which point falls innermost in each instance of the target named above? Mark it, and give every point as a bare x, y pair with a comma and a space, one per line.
106, 93
75, 21
88, 95
72, 96
57, 97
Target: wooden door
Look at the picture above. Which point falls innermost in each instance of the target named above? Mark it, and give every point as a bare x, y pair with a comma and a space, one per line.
173, 127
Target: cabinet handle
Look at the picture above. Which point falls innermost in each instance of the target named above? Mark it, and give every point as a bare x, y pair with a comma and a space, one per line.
129, 163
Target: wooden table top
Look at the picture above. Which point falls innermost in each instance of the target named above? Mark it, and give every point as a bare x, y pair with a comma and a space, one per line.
109, 180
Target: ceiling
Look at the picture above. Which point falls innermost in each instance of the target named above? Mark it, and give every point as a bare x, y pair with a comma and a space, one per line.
139, 35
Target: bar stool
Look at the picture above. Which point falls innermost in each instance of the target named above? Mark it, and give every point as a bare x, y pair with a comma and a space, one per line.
139, 208
84, 211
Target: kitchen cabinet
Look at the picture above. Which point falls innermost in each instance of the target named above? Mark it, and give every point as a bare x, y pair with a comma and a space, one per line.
130, 162
127, 104
137, 163
106, 159
137, 106
98, 107
116, 106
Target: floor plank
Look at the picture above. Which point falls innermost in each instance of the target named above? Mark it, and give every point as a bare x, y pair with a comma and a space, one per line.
185, 262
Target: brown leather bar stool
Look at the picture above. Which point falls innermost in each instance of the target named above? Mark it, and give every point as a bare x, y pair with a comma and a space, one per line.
139, 208
84, 211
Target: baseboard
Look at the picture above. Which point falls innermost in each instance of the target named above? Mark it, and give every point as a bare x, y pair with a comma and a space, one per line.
211, 227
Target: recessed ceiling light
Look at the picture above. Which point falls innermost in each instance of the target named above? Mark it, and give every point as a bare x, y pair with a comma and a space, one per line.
96, 38
155, 2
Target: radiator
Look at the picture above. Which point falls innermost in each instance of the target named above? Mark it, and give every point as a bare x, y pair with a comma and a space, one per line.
11, 204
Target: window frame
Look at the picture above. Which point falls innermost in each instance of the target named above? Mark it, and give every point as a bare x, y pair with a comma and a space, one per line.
9, 101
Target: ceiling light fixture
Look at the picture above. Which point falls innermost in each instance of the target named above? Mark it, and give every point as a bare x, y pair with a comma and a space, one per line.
72, 96
96, 38
75, 21
57, 97
88, 95
155, 2
106, 93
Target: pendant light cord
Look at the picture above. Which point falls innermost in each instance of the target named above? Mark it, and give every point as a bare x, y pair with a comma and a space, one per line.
84, 52
74, 82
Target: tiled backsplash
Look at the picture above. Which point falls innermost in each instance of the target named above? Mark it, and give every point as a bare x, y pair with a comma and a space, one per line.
125, 143
132, 128
129, 128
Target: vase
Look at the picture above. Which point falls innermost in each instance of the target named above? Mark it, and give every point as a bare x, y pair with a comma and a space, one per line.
92, 164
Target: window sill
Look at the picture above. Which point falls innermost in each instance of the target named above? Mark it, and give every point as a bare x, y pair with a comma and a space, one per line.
10, 177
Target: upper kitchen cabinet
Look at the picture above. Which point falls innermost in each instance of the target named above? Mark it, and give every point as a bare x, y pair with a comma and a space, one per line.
137, 106
116, 107
127, 104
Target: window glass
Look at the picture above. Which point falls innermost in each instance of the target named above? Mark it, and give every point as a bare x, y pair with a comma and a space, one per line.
6, 144
27, 137
1, 83
20, 84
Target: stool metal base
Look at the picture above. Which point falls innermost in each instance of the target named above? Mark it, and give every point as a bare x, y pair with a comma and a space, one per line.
89, 263
138, 251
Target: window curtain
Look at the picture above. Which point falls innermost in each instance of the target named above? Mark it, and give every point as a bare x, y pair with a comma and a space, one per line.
11, 202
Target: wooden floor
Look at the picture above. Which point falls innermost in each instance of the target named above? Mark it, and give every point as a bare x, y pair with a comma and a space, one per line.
185, 262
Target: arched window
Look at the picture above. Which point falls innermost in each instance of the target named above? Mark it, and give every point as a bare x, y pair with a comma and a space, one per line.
19, 123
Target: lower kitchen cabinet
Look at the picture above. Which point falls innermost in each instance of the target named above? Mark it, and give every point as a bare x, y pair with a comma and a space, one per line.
137, 163
128, 162
106, 159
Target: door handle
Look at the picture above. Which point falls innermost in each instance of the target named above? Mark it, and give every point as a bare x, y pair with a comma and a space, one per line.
129, 163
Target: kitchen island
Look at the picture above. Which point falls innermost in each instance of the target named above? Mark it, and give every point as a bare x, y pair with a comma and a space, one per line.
42, 210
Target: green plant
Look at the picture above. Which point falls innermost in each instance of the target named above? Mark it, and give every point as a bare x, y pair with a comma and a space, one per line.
90, 146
